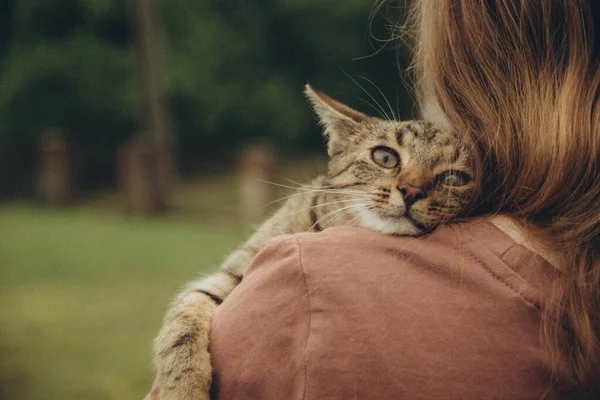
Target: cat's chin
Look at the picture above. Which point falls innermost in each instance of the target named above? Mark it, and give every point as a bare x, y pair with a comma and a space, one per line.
388, 225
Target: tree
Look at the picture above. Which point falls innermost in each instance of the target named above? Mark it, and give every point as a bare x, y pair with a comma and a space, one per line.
235, 68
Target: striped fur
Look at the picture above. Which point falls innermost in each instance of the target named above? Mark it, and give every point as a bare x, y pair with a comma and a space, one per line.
356, 191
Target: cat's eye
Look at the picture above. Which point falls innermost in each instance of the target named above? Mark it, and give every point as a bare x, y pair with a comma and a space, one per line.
385, 157
454, 178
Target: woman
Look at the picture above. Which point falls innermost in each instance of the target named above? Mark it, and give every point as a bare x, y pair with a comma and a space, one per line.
503, 307
522, 78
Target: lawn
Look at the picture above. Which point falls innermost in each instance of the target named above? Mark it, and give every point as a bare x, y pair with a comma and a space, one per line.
82, 294
83, 290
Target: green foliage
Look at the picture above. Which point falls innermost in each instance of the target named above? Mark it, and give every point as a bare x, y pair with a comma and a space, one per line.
237, 68
234, 70
68, 64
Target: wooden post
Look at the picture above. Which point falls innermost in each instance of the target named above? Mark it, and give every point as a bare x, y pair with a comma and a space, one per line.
150, 71
147, 159
144, 175
255, 169
55, 175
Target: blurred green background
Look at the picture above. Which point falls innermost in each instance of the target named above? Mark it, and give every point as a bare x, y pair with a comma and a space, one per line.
84, 283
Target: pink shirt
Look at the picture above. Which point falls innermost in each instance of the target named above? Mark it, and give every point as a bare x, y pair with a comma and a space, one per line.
352, 314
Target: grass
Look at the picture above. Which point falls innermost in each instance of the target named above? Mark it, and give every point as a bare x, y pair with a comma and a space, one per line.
83, 290
81, 296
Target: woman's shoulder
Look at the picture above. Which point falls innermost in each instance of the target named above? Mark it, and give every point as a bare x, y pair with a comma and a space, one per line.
447, 302
471, 236
455, 297
474, 255
449, 233
473, 251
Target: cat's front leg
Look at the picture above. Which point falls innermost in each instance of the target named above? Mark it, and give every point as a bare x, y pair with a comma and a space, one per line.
181, 349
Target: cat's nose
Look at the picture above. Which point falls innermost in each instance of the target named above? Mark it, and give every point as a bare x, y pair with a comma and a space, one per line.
411, 193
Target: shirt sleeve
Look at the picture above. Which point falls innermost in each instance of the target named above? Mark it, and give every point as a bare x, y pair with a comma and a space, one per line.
258, 335
349, 313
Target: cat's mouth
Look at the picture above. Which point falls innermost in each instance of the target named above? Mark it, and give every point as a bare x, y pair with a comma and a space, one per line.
401, 212
395, 224
417, 224
393, 210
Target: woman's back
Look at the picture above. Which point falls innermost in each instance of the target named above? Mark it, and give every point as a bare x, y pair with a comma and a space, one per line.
349, 313
521, 78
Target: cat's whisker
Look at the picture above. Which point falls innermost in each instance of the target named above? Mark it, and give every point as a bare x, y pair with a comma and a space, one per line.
334, 189
382, 95
321, 220
351, 193
285, 198
385, 115
358, 207
363, 195
320, 187
338, 213
376, 109
357, 216
300, 185
357, 194
316, 206
281, 185
316, 189
334, 213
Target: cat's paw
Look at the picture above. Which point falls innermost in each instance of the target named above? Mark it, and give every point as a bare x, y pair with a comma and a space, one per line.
181, 350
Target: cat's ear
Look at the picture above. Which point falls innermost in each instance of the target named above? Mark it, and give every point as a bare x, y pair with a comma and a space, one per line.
338, 119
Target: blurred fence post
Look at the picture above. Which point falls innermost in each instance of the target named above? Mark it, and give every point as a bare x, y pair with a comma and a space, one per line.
145, 168
256, 167
6, 169
148, 163
55, 186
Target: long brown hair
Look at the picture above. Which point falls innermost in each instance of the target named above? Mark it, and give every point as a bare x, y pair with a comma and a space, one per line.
522, 79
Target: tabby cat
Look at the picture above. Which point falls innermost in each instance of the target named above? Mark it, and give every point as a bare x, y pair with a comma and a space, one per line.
400, 178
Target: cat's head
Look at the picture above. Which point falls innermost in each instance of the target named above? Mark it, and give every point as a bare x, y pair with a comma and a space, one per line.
408, 177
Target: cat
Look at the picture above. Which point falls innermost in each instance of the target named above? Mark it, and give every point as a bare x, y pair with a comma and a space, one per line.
399, 178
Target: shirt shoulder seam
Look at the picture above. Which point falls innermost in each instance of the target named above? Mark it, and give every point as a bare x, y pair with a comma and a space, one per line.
525, 298
308, 333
